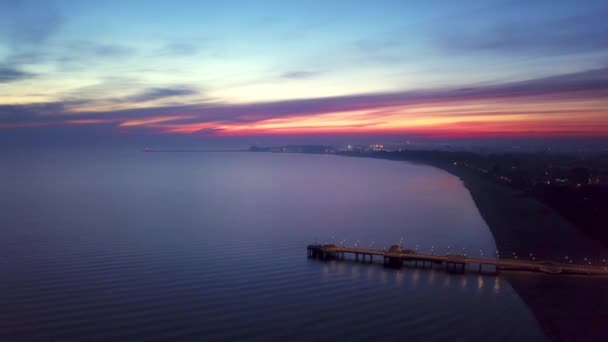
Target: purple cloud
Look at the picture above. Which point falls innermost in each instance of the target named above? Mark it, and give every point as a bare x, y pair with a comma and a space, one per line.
591, 84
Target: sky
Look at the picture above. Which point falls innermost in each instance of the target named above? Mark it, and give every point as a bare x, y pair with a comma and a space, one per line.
436, 69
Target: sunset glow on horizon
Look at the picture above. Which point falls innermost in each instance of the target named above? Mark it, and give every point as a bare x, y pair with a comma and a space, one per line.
272, 68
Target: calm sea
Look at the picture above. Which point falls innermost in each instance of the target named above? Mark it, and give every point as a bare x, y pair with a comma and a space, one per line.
212, 246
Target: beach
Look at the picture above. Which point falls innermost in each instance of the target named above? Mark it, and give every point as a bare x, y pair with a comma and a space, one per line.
568, 308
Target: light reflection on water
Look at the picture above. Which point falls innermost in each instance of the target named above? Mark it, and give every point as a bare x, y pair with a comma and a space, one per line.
410, 277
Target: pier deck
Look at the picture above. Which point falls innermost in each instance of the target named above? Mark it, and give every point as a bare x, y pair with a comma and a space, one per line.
396, 256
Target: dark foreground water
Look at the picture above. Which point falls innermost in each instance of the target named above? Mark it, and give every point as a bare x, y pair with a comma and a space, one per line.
212, 246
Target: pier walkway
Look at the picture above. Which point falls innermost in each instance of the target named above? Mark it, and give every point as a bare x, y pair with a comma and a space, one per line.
396, 256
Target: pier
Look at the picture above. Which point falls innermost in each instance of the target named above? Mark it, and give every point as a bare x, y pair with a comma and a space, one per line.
396, 256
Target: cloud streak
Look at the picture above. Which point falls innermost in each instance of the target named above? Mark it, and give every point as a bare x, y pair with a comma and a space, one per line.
8, 74
297, 75
179, 49
567, 98
26, 22
584, 31
160, 93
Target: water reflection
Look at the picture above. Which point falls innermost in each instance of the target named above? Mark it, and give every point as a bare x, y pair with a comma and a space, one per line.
413, 278
446, 282
496, 285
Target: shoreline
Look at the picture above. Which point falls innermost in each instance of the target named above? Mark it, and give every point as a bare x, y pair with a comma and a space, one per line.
518, 222
567, 308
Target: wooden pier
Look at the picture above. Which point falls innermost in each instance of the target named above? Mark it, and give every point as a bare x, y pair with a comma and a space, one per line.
395, 256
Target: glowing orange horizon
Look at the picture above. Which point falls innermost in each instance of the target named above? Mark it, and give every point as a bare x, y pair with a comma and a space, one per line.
472, 118
521, 116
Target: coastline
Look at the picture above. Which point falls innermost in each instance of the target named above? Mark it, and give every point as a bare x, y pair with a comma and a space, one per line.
520, 223
568, 308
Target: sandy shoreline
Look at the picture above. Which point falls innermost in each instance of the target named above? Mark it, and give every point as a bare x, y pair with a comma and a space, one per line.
568, 308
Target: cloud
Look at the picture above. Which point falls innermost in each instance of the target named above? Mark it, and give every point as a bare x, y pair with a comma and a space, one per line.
179, 49
28, 22
81, 55
112, 50
152, 94
8, 74
26, 26
24, 58
300, 74
29, 114
585, 85
91, 49
583, 32
105, 93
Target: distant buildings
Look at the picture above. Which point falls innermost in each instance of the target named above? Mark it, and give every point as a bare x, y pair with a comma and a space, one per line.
376, 147
303, 149
599, 179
